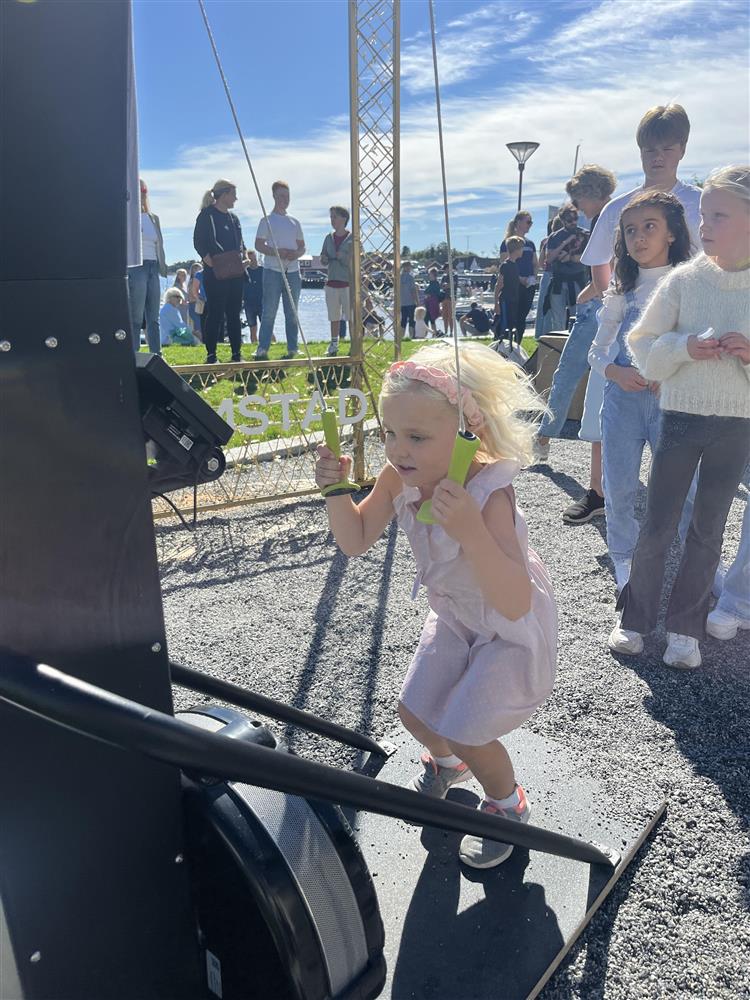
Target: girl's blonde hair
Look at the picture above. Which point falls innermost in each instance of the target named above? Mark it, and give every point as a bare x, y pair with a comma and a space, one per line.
220, 186
734, 180
502, 391
173, 293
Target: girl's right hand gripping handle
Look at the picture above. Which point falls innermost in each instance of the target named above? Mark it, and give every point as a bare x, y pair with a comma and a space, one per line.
331, 434
464, 451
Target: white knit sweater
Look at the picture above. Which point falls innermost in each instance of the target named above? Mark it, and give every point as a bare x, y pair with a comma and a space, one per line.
694, 296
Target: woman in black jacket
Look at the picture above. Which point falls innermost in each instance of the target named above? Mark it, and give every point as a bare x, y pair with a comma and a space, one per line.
218, 230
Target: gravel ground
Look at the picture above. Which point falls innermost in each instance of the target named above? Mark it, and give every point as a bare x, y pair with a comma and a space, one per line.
261, 596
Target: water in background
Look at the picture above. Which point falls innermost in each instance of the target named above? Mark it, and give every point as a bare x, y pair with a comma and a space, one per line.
314, 317
312, 314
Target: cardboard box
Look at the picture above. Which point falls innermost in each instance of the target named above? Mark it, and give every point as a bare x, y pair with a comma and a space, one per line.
548, 357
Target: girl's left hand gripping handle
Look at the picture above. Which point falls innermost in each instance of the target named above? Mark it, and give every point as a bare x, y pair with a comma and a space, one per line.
464, 451
331, 433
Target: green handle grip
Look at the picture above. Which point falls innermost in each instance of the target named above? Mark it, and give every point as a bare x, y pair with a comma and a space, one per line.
331, 431
331, 434
464, 450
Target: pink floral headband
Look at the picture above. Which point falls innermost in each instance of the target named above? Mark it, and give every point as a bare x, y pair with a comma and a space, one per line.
445, 383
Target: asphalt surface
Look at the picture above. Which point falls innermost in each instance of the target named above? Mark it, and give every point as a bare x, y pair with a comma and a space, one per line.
261, 596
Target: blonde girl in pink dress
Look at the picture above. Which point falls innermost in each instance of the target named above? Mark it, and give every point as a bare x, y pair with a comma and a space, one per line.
486, 658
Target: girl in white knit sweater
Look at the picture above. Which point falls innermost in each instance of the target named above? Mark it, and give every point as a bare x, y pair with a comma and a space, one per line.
694, 339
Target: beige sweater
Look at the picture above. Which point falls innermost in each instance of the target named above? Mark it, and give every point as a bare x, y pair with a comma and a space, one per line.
694, 296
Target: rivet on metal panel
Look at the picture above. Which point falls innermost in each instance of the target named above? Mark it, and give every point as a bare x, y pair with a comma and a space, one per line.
94, 338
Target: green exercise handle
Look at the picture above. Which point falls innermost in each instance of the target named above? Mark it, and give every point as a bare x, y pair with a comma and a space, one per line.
331, 434
464, 450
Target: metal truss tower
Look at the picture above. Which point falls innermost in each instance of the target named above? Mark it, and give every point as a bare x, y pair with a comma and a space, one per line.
374, 72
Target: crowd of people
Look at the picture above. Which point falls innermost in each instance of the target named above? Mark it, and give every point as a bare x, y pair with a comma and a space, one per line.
205, 305
665, 327
211, 297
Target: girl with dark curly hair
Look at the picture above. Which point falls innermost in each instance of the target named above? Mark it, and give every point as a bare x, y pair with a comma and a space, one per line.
652, 237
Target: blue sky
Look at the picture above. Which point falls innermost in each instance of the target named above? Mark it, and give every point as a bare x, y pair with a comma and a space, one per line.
557, 73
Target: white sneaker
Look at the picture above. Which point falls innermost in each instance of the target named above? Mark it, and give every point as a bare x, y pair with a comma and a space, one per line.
622, 573
724, 625
541, 451
623, 640
682, 651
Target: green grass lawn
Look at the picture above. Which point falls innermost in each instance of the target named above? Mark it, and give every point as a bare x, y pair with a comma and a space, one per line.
227, 394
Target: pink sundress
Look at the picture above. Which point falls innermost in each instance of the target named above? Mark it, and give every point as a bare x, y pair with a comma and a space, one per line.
476, 675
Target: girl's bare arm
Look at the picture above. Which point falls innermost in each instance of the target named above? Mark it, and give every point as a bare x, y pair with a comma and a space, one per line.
356, 527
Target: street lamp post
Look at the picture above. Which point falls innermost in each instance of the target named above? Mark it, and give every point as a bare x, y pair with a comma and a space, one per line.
521, 151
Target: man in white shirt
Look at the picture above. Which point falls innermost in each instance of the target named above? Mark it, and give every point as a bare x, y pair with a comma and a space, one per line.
286, 233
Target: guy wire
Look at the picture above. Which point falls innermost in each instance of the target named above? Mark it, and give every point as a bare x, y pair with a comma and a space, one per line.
260, 199
461, 422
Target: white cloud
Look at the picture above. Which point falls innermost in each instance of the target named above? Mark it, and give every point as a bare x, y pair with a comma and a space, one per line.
474, 17
618, 22
599, 106
464, 47
455, 63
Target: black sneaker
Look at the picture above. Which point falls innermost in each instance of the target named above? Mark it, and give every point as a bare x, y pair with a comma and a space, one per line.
590, 505
289, 356
261, 356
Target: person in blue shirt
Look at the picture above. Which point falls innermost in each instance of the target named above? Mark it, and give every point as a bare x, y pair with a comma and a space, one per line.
171, 322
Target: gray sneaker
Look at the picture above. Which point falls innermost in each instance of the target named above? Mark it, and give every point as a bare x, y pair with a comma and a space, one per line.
480, 853
436, 780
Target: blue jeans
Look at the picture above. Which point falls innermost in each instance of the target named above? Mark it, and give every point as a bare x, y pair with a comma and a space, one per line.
195, 317
542, 324
735, 584
144, 293
273, 291
735, 593
630, 420
591, 424
558, 303
574, 363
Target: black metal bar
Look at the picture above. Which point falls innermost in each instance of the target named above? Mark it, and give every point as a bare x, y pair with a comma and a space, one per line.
94, 712
194, 680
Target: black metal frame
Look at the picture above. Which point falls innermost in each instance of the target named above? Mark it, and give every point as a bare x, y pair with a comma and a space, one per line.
92, 711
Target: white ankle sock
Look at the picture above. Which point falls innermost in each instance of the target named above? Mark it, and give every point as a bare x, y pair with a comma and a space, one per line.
450, 761
510, 802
